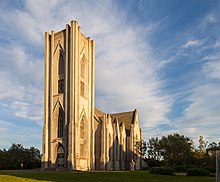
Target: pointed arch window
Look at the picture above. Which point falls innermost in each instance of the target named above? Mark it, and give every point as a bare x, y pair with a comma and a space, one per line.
61, 86
60, 156
60, 123
61, 64
82, 89
82, 129
82, 137
82, 67
61, 73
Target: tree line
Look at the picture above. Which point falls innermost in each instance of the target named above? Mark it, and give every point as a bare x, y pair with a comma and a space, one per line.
18, 157
179, 150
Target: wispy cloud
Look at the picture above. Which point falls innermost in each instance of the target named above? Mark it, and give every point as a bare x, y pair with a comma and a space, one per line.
21, 83
131, 72
16, 133
192, 43
126, 70
212, 68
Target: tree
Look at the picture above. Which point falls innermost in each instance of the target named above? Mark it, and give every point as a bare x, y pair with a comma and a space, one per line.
202, 147
153, 149
141, 148
16, 153
18, 157
33, 157
211, 154
176, 149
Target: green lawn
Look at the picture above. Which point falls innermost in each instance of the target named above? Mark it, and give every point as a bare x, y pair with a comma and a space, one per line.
120, 176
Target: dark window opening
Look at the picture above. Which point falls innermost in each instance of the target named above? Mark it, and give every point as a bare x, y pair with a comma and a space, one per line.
61, 86
60, 123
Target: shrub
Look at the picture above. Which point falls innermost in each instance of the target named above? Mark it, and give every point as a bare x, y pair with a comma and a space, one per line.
197, 172
162, 170
180, 168
167, 171
211, 169
155, 170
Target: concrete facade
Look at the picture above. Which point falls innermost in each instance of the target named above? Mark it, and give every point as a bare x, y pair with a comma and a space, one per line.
77, 136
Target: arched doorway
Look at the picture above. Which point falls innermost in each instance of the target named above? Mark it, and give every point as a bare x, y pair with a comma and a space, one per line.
60, 156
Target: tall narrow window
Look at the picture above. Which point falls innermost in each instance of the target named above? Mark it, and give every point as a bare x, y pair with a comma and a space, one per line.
60, 123
61, 64
82, 137
82, 89
82, 132
82, 68
61, 86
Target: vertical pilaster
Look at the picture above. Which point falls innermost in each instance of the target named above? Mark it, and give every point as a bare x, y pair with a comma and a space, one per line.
92, 144
103, 142
46, 101
66, 100
132, 142
76, 91
51, 95
72, 134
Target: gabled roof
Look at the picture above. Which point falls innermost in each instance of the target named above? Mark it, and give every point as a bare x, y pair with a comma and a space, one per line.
126, 117
99, 113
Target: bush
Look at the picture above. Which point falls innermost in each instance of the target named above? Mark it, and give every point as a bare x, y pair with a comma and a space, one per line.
155, 170
162, 170
197, 172
167, 171
180, 168
211, 169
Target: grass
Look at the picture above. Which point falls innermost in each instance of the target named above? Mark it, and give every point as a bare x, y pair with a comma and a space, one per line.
121, 176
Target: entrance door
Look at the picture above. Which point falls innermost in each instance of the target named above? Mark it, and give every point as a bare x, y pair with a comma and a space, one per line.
60, 157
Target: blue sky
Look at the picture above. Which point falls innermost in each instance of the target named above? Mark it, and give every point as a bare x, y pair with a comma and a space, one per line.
161, 57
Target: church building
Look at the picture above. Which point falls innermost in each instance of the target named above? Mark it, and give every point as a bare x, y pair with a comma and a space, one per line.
76, 135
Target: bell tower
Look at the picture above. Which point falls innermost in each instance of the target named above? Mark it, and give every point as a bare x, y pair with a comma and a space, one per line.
68, 132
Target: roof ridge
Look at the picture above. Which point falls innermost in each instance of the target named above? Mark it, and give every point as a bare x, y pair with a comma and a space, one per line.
124, 112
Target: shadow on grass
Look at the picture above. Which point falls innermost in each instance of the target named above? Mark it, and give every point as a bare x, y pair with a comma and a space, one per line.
121, 176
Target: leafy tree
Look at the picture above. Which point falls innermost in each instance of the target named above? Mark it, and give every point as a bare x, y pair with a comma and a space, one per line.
211, 150
172, 150
153, 149
141, 147
176, 149
18, 157
211, 154
202, 147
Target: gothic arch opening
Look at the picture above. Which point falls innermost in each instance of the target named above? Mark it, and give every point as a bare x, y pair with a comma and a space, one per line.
61, 64
82, 137
60, 130
60, 156
61, 69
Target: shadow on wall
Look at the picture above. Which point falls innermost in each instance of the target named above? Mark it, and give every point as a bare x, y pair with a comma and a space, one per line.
116, 158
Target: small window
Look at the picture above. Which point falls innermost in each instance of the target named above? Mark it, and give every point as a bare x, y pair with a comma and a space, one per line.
82, 89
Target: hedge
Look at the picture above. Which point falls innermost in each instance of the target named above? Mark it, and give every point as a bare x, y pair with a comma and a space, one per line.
198, 172
162, 170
